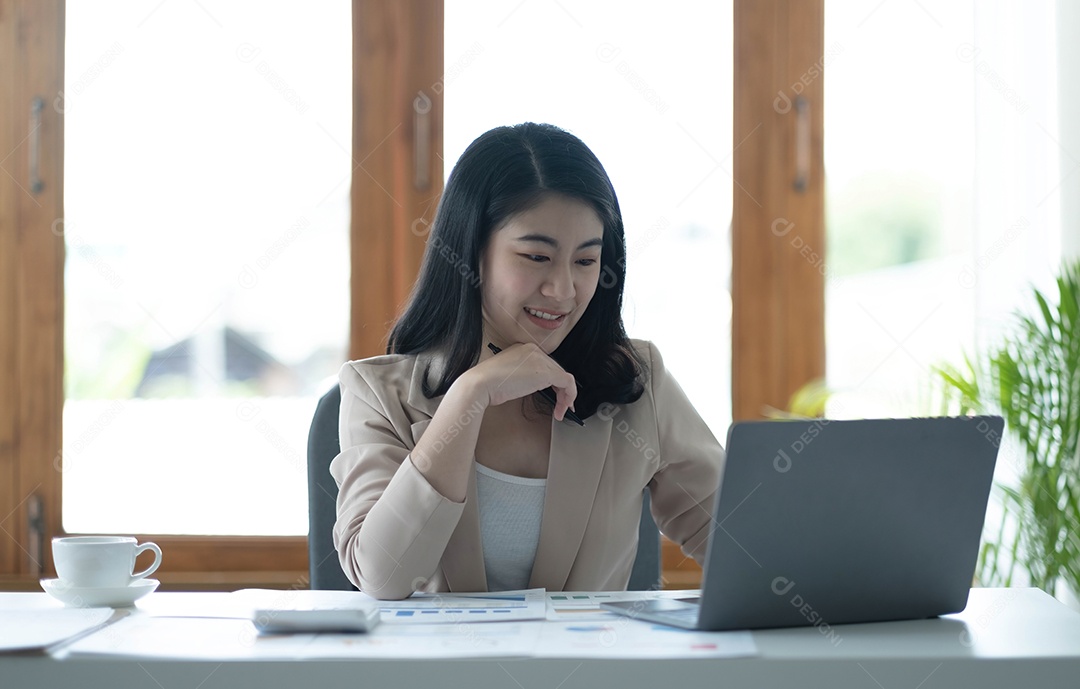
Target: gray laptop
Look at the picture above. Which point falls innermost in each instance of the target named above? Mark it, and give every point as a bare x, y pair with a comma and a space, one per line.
828, 522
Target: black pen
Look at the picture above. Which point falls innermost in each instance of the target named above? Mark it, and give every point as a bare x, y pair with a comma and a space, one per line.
546, 393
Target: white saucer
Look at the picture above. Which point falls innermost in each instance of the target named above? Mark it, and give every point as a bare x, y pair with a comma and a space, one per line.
107, 597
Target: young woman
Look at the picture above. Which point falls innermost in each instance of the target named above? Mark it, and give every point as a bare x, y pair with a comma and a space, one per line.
460, 468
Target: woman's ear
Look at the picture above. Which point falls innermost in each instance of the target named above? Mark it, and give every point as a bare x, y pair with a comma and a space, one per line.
481, 259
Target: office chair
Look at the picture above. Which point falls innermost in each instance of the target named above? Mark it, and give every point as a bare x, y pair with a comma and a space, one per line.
323, 565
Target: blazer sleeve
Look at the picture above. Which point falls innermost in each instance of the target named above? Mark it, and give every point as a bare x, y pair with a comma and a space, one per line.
392, 526
684, 487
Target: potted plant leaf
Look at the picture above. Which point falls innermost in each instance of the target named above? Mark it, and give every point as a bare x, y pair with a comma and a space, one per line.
1032, 378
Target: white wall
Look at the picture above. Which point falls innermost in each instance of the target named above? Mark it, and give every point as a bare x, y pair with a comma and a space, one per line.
1068, 28
1018, 156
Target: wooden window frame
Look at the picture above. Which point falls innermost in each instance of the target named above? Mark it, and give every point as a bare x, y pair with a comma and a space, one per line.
778, 325
31, 287
777, 284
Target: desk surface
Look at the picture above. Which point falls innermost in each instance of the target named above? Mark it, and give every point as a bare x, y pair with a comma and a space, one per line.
1005, 638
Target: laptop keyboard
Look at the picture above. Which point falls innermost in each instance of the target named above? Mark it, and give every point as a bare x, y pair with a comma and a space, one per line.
691, 611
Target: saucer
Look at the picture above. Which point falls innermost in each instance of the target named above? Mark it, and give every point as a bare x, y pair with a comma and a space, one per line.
98, 597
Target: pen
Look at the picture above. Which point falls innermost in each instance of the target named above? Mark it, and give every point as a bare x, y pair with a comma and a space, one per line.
546, 393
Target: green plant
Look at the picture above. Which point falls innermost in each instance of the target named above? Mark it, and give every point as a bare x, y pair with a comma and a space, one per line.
808, 402
1033, 380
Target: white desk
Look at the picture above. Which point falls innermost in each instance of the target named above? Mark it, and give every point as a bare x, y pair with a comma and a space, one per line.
1006, 638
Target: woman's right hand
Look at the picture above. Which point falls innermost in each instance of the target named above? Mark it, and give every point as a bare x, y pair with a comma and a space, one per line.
521, 370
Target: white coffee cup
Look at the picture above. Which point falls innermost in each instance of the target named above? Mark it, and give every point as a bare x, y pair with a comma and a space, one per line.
100, 561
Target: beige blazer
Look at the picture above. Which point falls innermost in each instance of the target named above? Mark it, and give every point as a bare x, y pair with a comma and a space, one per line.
395, 534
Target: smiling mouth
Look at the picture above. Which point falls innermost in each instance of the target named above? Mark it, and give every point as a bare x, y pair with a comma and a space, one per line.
545, 319
547, 316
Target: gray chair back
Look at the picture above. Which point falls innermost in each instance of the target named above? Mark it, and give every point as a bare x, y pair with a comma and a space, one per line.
323, 446
323, 564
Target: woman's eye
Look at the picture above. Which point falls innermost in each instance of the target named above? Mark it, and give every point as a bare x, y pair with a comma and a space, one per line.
587, 261
535, 258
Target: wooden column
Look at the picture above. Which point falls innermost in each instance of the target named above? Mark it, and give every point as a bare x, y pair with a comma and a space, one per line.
397, 145
778, 227
31, 283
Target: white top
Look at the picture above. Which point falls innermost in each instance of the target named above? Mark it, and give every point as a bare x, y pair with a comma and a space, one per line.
510, 511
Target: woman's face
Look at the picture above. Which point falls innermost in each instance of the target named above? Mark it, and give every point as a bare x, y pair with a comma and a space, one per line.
539, 272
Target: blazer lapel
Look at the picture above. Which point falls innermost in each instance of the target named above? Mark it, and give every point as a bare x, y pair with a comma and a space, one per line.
577, 459
463, 562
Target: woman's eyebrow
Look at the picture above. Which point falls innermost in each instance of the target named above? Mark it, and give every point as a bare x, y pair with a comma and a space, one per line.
554, 243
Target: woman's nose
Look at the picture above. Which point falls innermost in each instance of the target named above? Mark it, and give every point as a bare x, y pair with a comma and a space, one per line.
559, 284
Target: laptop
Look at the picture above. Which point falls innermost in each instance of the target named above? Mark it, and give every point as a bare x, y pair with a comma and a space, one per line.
823, 522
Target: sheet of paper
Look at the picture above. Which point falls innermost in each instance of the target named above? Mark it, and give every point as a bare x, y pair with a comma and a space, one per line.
188, 638
37, 630
427, 641
419, 628
194, 604
222, 639
201, 638
501, 606
622, 637
420, 608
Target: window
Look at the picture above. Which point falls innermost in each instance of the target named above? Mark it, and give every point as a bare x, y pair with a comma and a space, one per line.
206, 222
942, 199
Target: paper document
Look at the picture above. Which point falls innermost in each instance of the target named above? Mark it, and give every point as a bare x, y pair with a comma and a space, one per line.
38, 630
186, 638
535, 624
584, 630
420, 608
627, 638
428, 641
221, 639
220, 604
501, 606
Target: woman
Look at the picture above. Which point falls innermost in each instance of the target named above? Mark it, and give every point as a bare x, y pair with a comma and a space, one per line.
455, 473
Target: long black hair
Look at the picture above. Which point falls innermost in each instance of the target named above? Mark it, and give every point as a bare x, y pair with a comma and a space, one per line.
504, 172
